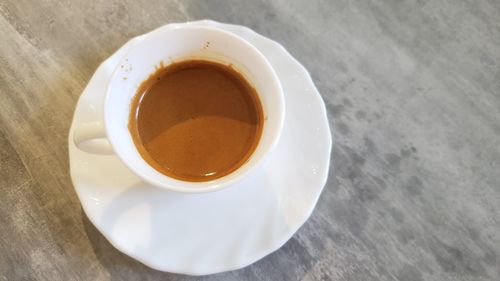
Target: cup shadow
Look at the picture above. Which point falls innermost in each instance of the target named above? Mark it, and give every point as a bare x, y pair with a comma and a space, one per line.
161, 205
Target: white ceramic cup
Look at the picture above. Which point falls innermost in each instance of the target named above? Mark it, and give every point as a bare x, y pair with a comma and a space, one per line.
175, 44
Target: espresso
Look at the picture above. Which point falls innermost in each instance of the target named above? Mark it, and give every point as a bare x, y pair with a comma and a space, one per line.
196, 120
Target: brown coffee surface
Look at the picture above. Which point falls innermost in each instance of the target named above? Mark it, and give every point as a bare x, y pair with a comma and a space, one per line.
196, 120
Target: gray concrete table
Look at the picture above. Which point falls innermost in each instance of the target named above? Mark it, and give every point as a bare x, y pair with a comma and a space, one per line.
413, 94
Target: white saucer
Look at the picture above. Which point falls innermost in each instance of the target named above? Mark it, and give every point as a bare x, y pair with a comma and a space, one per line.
207, 233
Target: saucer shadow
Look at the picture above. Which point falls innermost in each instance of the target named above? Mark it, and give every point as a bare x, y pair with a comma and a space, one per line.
118, 265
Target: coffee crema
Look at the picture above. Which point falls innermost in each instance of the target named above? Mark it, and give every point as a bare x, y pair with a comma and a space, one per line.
196, 120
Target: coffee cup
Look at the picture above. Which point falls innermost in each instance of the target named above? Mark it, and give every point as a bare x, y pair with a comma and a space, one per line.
170, 45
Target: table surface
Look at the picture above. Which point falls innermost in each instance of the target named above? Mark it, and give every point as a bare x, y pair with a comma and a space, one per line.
412, 90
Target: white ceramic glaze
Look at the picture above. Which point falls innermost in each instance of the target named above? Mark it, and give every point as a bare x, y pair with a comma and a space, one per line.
174, 43
207, 233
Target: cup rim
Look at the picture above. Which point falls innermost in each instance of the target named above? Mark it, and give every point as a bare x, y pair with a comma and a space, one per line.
224, 181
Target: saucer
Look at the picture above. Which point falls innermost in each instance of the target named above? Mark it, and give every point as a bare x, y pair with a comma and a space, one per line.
207, 233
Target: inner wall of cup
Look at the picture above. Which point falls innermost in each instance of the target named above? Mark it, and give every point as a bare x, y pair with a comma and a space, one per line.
206, 56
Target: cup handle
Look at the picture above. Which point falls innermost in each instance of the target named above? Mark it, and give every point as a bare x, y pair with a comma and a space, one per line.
91, 138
